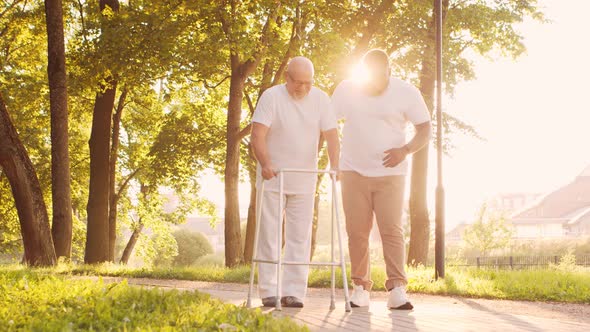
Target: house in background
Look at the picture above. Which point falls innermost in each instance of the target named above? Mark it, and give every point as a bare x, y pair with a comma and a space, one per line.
506, 204
509, 203
563, 213
455, 235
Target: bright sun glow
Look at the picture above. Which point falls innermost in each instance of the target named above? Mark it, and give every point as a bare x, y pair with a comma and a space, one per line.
359, 73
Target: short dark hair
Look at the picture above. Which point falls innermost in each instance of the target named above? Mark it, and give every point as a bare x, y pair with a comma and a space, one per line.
376, 57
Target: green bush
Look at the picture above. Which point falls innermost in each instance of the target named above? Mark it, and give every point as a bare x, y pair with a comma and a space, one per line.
217, 260
34, 301
191, 246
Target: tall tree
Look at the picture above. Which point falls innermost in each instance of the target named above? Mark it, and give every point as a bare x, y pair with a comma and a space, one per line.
60, 159
243, 62
98, 231
28, 197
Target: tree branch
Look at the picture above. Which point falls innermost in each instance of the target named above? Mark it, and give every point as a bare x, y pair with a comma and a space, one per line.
297, 35
12, 5
250, 104
226, 27
250, 65
126, 182
245, 131
82, 22
211, 87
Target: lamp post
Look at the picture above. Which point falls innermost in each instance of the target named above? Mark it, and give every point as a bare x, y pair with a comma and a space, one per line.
439, 244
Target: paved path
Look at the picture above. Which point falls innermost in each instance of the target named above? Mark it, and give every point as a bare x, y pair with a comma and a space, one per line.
431, 313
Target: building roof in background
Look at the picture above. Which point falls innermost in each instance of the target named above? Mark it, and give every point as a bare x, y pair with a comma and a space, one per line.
565, 202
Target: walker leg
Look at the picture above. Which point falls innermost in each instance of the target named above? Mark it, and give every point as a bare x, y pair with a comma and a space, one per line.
280, 240
333, 268
347, 307
259, 197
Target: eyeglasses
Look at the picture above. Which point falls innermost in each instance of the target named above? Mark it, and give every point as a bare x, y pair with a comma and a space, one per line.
298, 82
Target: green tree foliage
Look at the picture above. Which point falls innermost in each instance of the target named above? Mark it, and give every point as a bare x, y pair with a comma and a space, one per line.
489, 231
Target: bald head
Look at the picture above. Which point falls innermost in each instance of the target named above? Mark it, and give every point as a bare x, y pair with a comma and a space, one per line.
299, 77
300, 64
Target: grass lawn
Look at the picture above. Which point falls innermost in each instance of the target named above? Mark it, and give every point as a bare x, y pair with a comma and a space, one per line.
34, 300
532, 285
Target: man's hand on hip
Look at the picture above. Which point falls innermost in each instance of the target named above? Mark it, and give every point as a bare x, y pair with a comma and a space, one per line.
395, 156
268, 172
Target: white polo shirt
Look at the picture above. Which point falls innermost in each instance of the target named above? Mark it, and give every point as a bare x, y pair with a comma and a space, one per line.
374, 124
293, 135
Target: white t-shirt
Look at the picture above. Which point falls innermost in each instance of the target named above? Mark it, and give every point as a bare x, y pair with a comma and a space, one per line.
374, 124
293, 135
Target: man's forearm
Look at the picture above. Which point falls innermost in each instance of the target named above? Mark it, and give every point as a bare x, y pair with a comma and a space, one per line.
420, 139
261, 152
333, 147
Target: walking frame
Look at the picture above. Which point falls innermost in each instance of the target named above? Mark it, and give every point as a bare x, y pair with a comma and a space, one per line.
335, 223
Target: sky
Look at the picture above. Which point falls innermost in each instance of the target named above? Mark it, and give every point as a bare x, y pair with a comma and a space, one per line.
533, 113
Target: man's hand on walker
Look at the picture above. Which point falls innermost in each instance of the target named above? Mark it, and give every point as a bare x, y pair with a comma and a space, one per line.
395, 156
268, 172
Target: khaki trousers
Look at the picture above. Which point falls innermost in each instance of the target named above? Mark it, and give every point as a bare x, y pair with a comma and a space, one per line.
362, 197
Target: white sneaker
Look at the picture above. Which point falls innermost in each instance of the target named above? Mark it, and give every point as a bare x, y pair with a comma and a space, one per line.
360, 297
398, 299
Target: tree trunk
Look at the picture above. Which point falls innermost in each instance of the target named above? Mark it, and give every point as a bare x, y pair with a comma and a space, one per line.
28, 197
251, 224
419, 219
97, 232
233, 246
114, 198
131, 244
239, 73
97, 238
60, 160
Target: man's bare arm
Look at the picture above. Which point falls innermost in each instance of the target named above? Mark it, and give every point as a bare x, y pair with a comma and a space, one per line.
258, 140
396, 155
333, 140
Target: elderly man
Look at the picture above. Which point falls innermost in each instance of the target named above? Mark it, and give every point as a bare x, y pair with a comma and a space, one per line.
286, 128
373, 165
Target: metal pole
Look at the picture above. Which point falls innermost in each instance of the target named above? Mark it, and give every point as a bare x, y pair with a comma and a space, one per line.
258, 217
280, 240
347, 306
439, 245
332, 250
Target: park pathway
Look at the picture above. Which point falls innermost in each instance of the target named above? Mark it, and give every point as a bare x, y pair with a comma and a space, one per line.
431, 313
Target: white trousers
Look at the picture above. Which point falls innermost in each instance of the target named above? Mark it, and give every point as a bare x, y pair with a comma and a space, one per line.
298, 209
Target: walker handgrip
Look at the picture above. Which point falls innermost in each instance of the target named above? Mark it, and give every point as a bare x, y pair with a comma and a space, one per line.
302, 170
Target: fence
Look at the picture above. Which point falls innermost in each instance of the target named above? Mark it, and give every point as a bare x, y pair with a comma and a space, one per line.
517, 262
